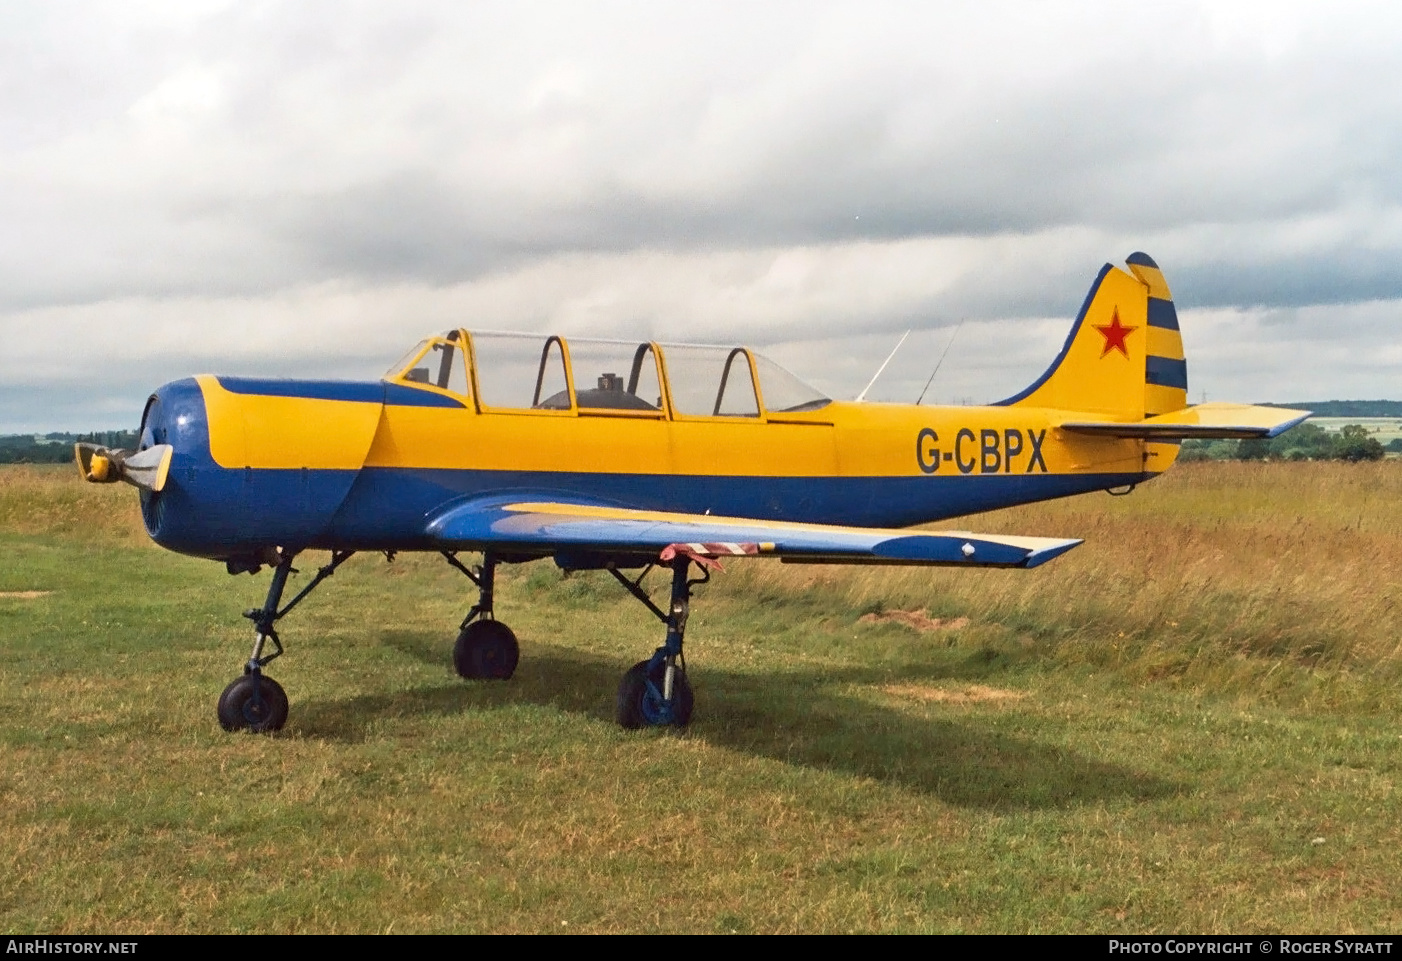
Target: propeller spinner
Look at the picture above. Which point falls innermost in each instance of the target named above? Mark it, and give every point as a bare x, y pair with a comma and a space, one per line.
146, 469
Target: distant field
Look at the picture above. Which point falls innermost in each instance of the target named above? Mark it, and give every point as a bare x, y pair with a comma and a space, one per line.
1383, 428
1190, 723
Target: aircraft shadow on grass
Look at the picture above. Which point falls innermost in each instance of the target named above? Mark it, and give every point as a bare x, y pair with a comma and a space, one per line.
797, 717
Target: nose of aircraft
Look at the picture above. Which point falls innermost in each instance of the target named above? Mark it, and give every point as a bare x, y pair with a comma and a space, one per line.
172, 426
264, 492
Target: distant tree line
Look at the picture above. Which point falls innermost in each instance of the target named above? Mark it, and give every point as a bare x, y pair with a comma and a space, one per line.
1305, 442
57, 447
1346, 408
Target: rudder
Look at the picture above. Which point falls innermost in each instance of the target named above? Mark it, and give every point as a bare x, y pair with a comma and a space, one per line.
1165, 369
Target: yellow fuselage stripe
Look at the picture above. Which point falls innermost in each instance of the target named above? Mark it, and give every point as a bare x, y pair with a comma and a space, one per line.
841, 440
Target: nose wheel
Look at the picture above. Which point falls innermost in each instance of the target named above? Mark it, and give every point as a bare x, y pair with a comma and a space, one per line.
256, 702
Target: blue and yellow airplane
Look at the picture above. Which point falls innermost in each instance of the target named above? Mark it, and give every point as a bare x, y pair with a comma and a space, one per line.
627, 456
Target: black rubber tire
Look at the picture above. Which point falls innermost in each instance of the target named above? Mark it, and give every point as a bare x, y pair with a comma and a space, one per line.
633, 709
240, 711
486, 650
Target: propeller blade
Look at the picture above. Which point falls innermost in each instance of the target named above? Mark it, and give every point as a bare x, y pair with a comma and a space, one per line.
147, 469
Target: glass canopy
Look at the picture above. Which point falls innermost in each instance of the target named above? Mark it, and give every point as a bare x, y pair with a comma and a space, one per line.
548, 373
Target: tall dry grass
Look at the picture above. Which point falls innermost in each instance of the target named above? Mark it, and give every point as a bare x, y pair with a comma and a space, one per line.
1214, 570
53, 499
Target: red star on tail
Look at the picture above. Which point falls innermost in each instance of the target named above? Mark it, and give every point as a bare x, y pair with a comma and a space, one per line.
1115, 334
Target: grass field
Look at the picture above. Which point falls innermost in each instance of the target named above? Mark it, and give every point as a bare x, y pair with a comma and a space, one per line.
1190, 723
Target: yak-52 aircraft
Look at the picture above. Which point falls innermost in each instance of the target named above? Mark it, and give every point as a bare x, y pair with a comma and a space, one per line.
627, 456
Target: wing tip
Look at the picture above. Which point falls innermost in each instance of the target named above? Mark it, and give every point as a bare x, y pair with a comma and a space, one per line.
1281, 428
1041, 555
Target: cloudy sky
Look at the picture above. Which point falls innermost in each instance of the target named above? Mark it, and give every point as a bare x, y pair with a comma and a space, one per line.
305, 189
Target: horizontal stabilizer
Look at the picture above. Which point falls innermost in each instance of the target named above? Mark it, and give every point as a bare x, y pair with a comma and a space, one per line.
501, 523
1203, 422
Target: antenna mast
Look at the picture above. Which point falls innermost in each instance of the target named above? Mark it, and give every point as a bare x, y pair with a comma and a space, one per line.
940, 362
863, 394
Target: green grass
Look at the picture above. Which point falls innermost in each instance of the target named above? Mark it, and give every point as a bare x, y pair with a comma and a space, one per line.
1153, 733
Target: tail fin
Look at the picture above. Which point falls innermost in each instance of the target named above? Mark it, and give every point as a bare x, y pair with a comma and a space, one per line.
1124, 355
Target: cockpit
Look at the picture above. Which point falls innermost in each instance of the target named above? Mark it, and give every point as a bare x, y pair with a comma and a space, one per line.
525, 372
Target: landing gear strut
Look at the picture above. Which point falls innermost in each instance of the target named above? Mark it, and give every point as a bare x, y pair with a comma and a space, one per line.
485, 647
256, 702
656, 692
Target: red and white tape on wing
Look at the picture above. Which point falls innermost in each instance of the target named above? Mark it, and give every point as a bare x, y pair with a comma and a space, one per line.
706, 554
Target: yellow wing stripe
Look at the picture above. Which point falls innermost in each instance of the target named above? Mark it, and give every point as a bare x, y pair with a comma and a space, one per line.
597, 512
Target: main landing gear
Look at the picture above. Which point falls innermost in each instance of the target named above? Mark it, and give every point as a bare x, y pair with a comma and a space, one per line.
656, 692
653, 693
486, 648
256, 702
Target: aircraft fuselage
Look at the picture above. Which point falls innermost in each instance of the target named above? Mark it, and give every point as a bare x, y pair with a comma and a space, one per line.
361, 465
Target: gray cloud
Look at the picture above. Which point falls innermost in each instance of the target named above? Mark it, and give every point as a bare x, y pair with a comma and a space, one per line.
172, 174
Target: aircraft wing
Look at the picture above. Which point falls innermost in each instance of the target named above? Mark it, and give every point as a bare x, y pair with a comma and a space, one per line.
1204, 421
530, 524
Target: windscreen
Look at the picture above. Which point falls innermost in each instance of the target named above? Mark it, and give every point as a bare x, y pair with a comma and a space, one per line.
783, 392
438, 362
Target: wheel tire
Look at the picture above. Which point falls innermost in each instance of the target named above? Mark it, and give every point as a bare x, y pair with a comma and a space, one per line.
637, 707
239, 710
486, 649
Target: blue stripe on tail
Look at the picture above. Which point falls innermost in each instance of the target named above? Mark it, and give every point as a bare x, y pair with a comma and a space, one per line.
1162, 314
1166, 372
